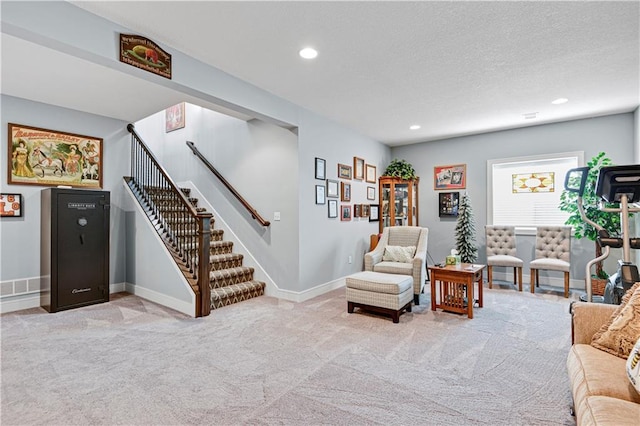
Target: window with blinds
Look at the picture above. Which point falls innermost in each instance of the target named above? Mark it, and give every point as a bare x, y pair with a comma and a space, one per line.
525, 191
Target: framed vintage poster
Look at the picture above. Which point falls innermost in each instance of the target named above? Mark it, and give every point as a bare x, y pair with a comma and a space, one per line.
50, 158
450, 177
320, 194
333, 208
320, 168
174, 118
344, 171
364, 210
358, 168
370, 173
10, 205
357, 210
345, 213
374, 212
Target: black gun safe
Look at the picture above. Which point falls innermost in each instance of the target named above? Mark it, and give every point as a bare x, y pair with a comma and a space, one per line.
74, 248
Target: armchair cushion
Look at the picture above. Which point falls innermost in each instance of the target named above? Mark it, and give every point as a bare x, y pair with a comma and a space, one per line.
394, 268
399, 254
620, 333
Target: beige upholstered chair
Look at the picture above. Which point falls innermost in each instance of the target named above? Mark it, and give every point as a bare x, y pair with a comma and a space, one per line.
501, 251
382, 258
553, 252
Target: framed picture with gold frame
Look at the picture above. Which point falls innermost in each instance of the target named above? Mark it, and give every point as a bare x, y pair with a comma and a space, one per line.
358, 168
344, 171
345, 191
50, 158
370, 173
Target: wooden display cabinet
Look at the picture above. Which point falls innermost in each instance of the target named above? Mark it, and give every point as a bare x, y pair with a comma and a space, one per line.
398, 201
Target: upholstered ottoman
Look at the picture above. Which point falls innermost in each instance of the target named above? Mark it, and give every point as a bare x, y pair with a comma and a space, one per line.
389, 294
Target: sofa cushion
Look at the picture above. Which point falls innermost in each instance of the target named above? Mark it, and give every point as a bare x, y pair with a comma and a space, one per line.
604, 410
399, 254
633, 366
594, 372
618, 335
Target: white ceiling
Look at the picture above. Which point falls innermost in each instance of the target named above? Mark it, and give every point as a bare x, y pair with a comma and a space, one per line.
455, 68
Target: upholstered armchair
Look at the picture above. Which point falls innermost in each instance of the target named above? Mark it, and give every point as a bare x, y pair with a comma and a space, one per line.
395, 254
553, 252
501, 251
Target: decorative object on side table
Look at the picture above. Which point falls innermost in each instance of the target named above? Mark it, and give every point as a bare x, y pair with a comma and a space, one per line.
466, 232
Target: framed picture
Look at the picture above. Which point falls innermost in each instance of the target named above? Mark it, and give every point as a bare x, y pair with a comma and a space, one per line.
448, 202
320, 168
450, 177
10, 205
332, 189
51, 158
320, 194
345, 212
371, 193
364, 210
333, 208
374, 212
346, 191
370, 173
344, 171
174, 118
358, 168
357, 210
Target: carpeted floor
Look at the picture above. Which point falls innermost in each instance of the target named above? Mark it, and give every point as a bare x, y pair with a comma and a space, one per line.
268, 361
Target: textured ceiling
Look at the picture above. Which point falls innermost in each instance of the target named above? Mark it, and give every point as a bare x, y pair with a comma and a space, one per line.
454, 68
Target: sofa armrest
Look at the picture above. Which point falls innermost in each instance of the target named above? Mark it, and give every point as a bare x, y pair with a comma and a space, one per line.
587, 318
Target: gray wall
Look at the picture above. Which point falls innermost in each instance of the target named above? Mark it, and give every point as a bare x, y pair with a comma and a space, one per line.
20, 242
614, 134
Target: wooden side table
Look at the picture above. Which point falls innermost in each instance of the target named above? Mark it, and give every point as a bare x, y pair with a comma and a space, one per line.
455, 289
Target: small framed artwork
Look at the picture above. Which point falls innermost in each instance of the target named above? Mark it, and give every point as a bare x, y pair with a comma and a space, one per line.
333, 208
320, 168
346, 191
10, 205
450, 177
358, 168
174, 118
371, 193
370, 173
374, 212
345, 212
448, 202
320, 194
333, 190
364, 210
357, 210
344, 171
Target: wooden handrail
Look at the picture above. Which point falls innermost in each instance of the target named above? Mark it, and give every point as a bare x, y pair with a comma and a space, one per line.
252, 211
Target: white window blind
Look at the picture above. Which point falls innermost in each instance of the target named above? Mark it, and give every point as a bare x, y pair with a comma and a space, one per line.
525, 191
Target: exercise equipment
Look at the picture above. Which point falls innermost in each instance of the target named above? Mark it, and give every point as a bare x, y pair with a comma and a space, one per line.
618, 185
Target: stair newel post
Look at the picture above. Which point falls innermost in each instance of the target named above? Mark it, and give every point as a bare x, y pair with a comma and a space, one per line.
204, 242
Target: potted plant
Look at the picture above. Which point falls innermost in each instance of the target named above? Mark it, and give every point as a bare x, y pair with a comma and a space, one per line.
400, 169
609, 221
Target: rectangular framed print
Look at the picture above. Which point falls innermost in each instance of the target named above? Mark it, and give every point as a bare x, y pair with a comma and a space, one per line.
320, 168
333, 208
10, 205
320, 194
333, 190
374, 212
358, 168
370, 173
450, 177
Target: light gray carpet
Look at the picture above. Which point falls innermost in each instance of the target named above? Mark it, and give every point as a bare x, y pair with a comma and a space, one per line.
268, 361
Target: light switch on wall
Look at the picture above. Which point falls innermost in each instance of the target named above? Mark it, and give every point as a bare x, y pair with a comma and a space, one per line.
276, 215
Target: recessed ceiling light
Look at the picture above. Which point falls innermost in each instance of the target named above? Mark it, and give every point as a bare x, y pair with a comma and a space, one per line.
560, 101
308, 53
530, 115
414, 127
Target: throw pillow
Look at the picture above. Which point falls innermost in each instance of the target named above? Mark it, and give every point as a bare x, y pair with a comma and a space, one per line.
621, 332
399, 254
633, 366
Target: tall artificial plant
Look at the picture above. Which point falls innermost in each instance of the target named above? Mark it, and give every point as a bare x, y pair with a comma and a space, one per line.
466, 232
400, 169
569, 203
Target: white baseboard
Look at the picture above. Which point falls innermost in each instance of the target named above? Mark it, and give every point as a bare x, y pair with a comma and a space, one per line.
294, 296
32, 300
161, 299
